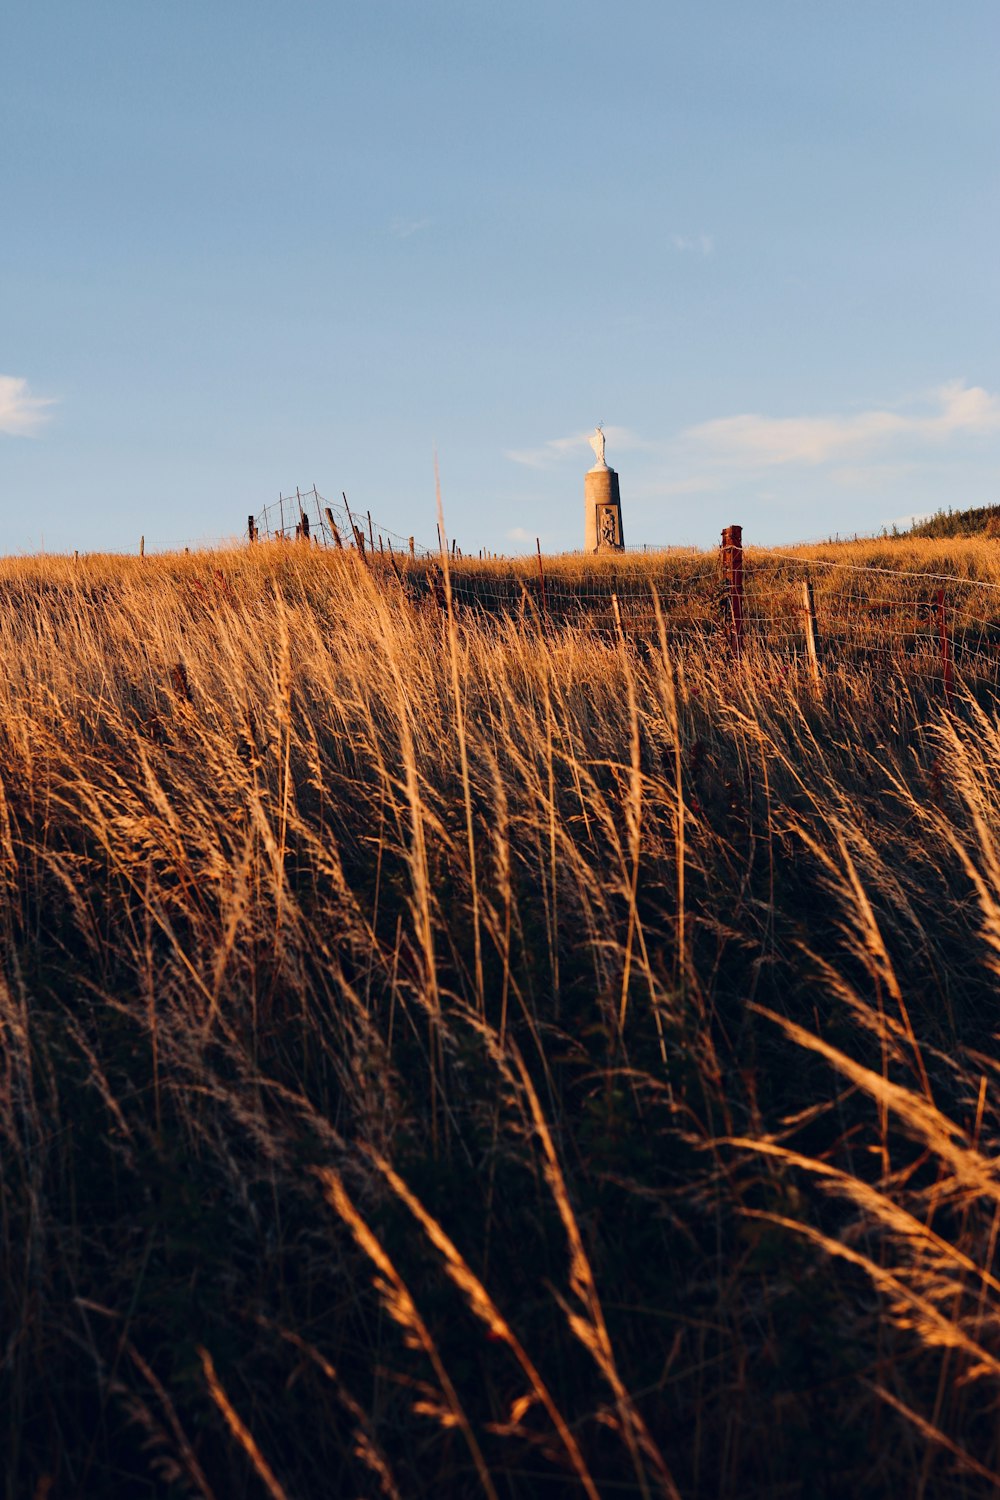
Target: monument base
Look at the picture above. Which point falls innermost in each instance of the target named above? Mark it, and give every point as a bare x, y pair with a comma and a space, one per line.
602, 511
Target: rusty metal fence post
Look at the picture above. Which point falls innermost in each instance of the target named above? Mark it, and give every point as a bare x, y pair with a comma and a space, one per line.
732, 572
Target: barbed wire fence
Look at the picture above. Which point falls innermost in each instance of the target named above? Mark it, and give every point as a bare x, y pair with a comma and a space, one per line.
308, 516
812, 612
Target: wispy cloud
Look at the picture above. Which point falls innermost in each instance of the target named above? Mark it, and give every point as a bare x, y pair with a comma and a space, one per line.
760, 441
21, 413
556, 450
518, 534
404, 229
694, 244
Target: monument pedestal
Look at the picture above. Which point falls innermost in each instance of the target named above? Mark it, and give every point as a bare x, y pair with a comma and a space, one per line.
602, 511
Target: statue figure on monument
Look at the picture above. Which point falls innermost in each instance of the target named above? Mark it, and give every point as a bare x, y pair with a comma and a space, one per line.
597, 443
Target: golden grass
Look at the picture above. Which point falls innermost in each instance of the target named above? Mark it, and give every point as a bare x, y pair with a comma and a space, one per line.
618, 1020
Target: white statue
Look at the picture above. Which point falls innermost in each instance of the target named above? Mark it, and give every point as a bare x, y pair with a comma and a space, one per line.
597, 443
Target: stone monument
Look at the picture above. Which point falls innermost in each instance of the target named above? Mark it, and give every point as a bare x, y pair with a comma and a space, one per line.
602, 530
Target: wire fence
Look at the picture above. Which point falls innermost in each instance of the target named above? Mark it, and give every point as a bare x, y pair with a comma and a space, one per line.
814, 612
308, 516
815, 615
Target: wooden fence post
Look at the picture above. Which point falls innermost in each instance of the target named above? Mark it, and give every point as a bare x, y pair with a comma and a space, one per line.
359, 535
251, 528
142, 546
413, 550
334, 529
732, 570
809, 618
541, 575
949, 680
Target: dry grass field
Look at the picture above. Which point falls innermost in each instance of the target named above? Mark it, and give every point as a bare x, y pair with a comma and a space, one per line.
449, 1048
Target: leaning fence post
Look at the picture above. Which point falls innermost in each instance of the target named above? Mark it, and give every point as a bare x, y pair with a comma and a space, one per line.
359, 535
334, 528
541, 575
809, 617
949, 681
732, 568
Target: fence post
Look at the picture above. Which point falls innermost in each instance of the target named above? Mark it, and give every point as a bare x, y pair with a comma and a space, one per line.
251, 528
541, 575
413, 550
359, 535
949, 681
334, 529
809, 614
732, 569
142, 546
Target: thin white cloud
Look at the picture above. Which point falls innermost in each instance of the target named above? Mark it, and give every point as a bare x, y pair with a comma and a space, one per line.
759, 441
404, 229
21, 413
518, 534
618, 439
694, 244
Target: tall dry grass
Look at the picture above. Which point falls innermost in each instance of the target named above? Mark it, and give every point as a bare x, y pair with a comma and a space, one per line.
443, 1053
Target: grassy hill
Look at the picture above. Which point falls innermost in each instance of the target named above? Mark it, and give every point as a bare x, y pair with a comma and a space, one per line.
451, 1045
981, 520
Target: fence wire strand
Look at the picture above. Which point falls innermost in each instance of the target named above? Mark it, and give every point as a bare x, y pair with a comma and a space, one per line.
938, 616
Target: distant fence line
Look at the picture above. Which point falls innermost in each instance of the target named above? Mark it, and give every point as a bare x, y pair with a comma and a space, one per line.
307, 516
811, 610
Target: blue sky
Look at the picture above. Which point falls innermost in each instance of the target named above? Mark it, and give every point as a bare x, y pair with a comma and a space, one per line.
250, 246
